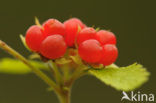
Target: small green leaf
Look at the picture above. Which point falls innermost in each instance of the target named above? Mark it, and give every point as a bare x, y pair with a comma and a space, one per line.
79, 29
37, 22
76, 59
63, 61
97, 29
123, 78
23, 41
13, 66
34, 56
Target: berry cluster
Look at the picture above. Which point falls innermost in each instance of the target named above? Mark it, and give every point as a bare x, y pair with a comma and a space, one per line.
53, 37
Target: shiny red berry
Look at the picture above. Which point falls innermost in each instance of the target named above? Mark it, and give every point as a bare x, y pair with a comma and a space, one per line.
90, 51
72, 26
109, 54
34, 37
105, 37
53, 47
86, 34
53, 26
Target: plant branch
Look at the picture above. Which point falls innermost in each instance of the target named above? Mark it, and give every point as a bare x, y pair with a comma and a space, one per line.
39, 73
54, 69
78, 72
64, 97
51, 68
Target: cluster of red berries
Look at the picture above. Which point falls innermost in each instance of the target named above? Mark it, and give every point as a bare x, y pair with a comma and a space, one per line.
53, 37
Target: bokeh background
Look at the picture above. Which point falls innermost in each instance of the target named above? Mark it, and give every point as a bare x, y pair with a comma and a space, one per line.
133, 22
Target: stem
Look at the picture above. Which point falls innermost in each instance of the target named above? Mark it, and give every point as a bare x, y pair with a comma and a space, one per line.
66, 71
64, 97
39, 73
53, 67
75, 75
62, 88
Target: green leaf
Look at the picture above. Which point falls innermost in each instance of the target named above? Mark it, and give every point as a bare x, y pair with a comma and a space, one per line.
34, 56
63, 61
24, 42
76, 59
13, 66
37, 22
97, 29
123, 78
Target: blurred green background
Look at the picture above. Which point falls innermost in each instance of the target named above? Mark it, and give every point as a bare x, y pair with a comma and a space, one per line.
133, 22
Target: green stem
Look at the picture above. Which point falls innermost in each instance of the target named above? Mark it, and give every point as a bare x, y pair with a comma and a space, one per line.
64, 97
39, 73
62, 89
66, 71
56, 72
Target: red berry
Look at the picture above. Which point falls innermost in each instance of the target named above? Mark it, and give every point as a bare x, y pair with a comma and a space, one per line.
109, 54
53, 47
53, 26
90, 51
105, 37
34, 37
86, 34
71, 27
